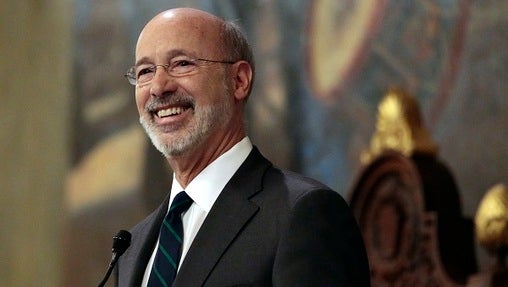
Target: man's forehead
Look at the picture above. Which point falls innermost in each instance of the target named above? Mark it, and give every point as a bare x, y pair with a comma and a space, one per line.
188, 29
162, 47
181, 36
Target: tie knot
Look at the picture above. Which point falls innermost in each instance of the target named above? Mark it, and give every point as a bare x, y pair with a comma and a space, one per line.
181, 203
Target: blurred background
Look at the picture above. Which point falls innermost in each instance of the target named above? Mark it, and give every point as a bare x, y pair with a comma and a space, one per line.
75, 166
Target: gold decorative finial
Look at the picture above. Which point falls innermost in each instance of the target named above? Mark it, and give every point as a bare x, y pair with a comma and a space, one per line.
491, 220
399, 127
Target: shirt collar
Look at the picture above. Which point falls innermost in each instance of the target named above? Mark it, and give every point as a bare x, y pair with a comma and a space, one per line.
208, 184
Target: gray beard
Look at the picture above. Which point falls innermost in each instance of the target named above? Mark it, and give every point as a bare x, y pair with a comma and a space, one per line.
208, 120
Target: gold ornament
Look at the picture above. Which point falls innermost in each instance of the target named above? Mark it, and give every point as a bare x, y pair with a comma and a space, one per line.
399, 127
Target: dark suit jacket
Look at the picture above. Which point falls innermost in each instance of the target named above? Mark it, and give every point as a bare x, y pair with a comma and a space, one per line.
268, 227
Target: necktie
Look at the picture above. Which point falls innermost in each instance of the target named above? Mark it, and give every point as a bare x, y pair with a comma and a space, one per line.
170, 243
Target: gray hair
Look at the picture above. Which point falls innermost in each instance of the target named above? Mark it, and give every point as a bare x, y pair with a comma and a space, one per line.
236, 47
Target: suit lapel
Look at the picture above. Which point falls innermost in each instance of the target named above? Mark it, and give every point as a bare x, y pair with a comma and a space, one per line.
228, 216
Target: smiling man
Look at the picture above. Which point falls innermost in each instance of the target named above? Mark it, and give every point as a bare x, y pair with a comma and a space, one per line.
231, 218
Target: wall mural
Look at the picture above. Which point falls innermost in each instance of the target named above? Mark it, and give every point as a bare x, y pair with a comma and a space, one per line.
323, 67
356, 50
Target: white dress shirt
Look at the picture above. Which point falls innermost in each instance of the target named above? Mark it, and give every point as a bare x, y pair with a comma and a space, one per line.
204, 190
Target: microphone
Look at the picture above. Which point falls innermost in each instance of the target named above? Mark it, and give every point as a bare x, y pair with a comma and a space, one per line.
121, 241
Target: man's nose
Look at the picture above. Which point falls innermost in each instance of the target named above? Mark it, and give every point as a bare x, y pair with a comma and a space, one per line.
162, 82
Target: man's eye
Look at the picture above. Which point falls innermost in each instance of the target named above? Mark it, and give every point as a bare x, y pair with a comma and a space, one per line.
183, 63
145, 71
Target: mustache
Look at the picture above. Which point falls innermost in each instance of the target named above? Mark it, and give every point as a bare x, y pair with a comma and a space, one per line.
170, 99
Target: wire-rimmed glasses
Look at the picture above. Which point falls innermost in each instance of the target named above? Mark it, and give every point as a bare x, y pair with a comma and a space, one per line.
178, 67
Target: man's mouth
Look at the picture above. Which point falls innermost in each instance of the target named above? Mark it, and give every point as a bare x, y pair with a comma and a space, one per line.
171, 106
172, 111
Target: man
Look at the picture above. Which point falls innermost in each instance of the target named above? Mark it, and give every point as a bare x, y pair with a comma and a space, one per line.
249, 223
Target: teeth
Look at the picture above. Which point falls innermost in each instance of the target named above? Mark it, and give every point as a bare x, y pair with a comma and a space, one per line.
170, 112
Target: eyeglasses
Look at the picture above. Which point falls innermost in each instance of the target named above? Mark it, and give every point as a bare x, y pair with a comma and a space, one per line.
178, 67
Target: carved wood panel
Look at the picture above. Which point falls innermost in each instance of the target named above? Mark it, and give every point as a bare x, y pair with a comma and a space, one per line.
400, 236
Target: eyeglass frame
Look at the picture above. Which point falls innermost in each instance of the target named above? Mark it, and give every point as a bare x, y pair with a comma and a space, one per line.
132, 75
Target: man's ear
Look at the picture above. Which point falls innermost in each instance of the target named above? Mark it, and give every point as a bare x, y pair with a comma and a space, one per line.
242, 79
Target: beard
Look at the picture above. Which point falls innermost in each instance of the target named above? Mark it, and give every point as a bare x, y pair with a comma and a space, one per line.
206, 120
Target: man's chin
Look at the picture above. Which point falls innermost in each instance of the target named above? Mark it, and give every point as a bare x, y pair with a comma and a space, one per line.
168, 146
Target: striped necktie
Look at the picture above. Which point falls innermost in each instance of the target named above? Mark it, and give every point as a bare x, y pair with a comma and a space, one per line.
168, 253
